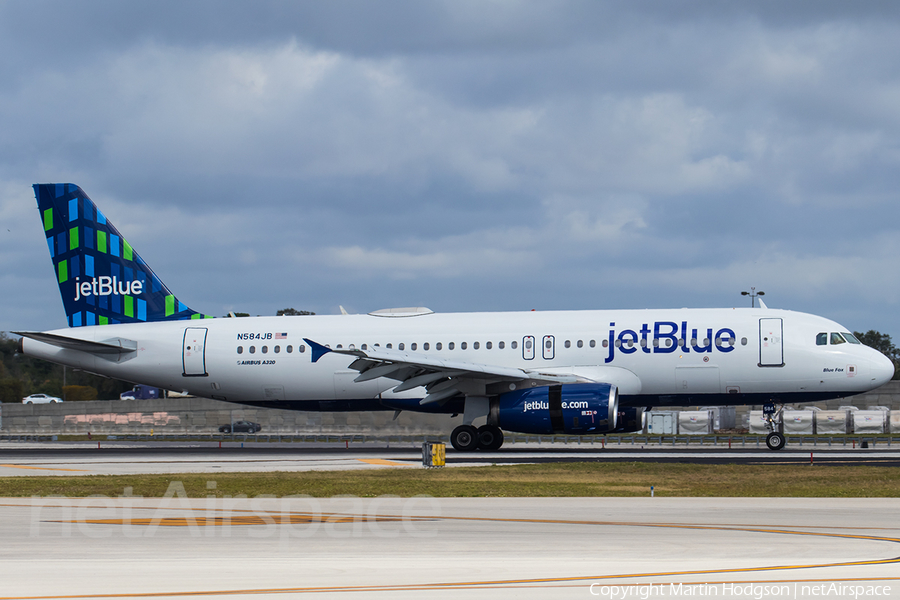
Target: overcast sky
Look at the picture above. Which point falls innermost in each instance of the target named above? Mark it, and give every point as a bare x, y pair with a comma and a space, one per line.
484, 155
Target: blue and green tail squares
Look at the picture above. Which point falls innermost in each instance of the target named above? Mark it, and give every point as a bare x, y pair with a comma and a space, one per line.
101, 278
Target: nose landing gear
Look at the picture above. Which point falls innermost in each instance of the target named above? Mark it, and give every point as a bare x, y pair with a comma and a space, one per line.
775, 440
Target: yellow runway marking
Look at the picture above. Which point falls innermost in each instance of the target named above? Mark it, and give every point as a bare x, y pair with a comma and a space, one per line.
258, 517
42, 468
382, 462
463, 585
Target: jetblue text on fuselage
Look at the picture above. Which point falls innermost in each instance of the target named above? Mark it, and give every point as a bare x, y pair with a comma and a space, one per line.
107, 286
663, 337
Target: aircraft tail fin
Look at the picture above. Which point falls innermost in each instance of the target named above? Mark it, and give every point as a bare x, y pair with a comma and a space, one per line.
101, 278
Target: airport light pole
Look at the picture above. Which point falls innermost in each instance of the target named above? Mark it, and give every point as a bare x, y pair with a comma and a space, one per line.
753, 295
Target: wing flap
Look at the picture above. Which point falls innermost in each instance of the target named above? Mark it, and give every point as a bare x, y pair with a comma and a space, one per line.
442, 379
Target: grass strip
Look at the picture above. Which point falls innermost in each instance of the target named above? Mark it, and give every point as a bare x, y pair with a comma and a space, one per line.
540, 480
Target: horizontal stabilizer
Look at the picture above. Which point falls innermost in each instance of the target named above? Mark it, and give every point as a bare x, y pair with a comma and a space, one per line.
112, 346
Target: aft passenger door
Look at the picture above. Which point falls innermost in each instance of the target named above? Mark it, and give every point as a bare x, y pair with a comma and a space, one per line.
194, 352
771, 347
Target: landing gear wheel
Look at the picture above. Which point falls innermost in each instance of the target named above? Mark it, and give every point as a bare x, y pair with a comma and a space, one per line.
490, 437
464, 438
775, 441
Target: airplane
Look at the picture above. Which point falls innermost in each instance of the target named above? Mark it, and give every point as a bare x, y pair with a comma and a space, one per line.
588, 372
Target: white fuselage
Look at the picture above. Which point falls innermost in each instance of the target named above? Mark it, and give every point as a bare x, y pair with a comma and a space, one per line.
654, 357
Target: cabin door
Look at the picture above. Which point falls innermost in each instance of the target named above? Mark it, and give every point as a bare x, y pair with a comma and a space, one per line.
194, 352
771, 347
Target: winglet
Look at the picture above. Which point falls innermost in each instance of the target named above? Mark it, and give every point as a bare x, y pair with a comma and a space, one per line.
318, 350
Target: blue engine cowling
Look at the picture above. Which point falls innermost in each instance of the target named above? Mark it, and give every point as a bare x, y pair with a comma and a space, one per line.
576, 408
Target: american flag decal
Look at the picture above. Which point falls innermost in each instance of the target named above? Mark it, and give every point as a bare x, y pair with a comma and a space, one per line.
280, 336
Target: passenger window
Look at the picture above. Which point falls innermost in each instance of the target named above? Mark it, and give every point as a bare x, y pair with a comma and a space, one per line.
451, 346
580, 344
240, 349
568, 344
644, 343
413, 346
289, 349
821, 339
501, 345
513, 344
837, 338
527, 345
743, 341
438, 346
426, 346
476, 345
605, 343
593, 343
277, 349
388, 346
487, 345
265, 349
364, 347
339, 346
462, 346
252, 349
401, 346
301, 349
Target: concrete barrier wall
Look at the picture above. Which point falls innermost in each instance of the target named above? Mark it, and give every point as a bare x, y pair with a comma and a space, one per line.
202, 415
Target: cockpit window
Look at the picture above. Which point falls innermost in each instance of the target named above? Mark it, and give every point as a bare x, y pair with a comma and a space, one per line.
851, 338
822, 339
837, 338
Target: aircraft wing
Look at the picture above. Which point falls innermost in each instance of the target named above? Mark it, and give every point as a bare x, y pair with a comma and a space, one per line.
442, 379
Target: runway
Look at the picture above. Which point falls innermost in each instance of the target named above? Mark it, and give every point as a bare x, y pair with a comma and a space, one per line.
449, 548
130, 458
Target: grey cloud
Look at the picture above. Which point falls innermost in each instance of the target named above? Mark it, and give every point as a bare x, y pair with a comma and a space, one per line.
463, 156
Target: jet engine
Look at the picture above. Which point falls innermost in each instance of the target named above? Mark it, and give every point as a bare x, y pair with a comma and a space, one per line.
577, 409
631, 419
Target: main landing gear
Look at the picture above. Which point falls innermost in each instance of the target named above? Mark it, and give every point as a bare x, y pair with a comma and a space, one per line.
466, 438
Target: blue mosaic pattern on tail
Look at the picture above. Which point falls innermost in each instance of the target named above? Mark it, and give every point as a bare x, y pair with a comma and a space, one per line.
101, 278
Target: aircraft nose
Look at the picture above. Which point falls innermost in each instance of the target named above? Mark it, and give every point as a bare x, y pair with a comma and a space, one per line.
882, 369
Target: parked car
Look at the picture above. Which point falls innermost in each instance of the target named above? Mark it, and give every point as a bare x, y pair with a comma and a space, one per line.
241, 427
40, 399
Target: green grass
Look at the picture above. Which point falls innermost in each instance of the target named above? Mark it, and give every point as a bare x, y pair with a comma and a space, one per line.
568, 479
